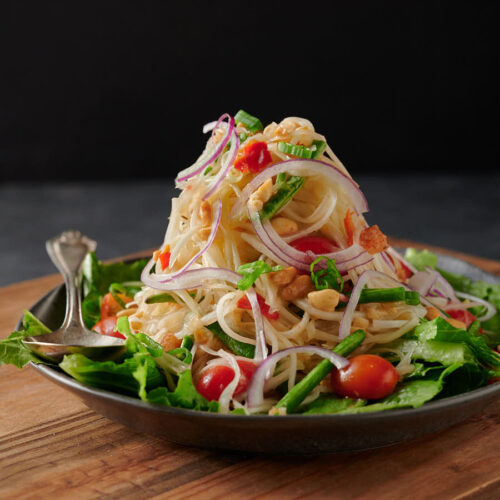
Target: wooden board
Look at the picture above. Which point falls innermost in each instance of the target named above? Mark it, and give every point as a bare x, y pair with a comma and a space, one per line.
52, 446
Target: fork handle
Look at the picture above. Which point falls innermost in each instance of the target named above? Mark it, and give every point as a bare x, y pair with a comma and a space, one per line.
67, 251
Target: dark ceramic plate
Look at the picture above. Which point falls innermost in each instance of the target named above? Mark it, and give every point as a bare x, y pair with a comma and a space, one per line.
294, 434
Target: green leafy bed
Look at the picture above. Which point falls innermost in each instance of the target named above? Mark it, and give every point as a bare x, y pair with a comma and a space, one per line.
446, 360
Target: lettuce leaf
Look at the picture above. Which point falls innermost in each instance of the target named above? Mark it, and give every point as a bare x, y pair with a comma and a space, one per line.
329, 404
421, 259
133, 376
12, 349
433, 351
440, 330
185, 395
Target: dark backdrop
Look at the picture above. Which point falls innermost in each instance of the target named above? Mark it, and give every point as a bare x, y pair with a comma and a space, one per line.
112, 89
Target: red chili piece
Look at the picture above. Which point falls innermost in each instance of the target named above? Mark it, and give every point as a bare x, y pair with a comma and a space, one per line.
254, 158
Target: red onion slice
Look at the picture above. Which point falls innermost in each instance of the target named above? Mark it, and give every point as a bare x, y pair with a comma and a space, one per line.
346, 321
209, 126
260, 346
255, 395
423, 281
491, 310
443, 286
210, 154
224, 169
430, 282
304, 167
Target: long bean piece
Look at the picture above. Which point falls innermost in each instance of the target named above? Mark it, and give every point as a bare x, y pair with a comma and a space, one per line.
292, 399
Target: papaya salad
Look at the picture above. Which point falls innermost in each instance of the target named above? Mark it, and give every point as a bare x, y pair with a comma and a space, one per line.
271, 294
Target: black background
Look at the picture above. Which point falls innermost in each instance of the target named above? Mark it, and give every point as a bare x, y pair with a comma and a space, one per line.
120, 89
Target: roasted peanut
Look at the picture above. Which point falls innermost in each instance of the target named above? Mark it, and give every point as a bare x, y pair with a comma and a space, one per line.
170, 341
285, 276
205, 213
284, 226
432, 313
257, 199
298, 288
325, 300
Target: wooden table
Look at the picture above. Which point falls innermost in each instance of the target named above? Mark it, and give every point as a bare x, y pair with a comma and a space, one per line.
52, 446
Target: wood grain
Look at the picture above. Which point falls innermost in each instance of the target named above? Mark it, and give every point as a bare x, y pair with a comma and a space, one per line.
52, 446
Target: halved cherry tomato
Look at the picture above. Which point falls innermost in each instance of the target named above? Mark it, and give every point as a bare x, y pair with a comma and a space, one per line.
315, 244
216, 378
462, 315
254, 158
367, 376
244, 303
164, 259
349, 227
110, 306
106, 327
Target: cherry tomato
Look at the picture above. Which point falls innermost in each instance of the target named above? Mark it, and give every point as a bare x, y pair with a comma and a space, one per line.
254, 158
106, 327
462, 315
216, 378
110, 306
367, 376
315, 244
244, 303
164, 259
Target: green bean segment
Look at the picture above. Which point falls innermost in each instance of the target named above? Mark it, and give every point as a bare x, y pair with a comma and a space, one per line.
299, 392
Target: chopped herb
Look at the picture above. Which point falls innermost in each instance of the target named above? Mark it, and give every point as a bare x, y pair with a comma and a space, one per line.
252, 123
252, 271
328, 277
301, 151
286, 190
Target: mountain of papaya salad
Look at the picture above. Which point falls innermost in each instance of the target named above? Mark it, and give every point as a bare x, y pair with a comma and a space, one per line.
272, 294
